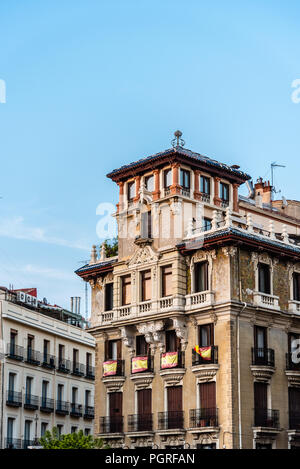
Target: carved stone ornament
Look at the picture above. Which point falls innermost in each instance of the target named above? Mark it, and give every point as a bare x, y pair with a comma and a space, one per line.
153, 333
176, 207
142, 256
181, 331
128, 338
229, 251
92, 283
262, 373
113, 383
172, 377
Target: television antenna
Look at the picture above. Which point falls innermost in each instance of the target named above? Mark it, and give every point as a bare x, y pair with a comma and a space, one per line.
273, 166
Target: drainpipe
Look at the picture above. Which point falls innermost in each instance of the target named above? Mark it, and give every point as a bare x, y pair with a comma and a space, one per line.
238, 353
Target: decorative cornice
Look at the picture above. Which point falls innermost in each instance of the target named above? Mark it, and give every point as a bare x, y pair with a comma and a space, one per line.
262, 373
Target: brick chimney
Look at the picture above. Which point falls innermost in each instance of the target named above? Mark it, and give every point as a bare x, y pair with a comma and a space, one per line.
263, 192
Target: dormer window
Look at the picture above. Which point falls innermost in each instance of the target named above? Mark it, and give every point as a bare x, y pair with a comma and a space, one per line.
205, 185
149, 183
185, 179
131, 190
167, 178
224, 192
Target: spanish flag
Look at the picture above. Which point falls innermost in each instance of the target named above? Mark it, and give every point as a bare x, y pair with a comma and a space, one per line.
139, 364
169, 360
204, 352
110, 368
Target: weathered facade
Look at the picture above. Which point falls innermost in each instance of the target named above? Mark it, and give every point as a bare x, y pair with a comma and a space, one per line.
198, 267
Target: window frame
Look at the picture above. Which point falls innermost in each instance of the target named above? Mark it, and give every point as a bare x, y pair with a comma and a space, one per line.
163, 275
203, 181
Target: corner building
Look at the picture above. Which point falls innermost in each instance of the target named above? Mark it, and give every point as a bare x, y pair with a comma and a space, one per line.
199, 266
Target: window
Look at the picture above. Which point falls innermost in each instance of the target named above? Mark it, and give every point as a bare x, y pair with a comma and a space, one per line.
205, 185
87, 398
167, 178
10, 431
44, 393
30, 346
87, 431
109, 296
61, 352
88, 360
172, 341
149, 183
142, 347
46, 350
113, 349
27, 432
264, 283
260, 337
28, 390
75, 356
131, 190
224, 191
291, 338
60, 392
166, 281
44, 426
207, 396
185, 177
206, 224
126, 290
74, 395
146, 285
296, 286
59, 430
206, 335
146, 225
13, 341
201, 276
73, 429
11, 382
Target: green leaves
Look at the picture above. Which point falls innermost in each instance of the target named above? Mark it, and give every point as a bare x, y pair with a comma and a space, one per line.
52, 440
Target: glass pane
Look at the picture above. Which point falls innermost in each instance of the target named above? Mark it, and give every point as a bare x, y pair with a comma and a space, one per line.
149, 181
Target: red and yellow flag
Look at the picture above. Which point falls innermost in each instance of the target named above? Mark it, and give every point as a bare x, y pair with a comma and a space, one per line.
204, 352
169, 360
139, 364
110, 368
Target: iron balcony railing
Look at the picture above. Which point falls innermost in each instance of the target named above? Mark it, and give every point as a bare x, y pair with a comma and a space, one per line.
180, 361
149, 367
90, 372
15, 352
263, 356
27, 443
111, 424
31, 402
62, 408
64, 366
170, 420
291, 362
204, 417
203, 358
119, 370
13, 443
47, 405
13, 398
294, 420
75, 410
268, 418
89, 412
49, 361
78, 369
33, 357
140, 422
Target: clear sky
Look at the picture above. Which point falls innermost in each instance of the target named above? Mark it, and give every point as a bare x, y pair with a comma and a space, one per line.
94, 84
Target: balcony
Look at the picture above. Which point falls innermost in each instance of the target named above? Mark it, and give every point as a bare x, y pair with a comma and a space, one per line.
263, 357
294, 306
27, 443
224, 203
13, 443
47, 405
140, 423
207, 356
111, 424
33, 357
267, 418
294, 420
90, 372
205, 197
292, 362
124, 312
64, 366
166, 303
142, 364
48, 361
77, 369
31, 402
171, 360
171, 420
266, 301
145, 307
13, 399
185, 192
76, 410
62, 408
113, 368
15, 352
199, 300
89, 413
203, 418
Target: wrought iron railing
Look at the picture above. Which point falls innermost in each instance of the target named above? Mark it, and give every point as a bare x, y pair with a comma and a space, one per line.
205, 357
75, 410
89, 412
263, 356
16, 352
13, 443
64, 366
49, 361
33, 356
62, 407
111, 424
140, 422
268, 418
170, 420
90, 372
13, 398
46, 405
31, 402
78, 369
204, 417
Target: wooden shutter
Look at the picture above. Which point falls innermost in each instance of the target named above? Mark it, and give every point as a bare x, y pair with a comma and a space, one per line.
260, 395
166, 281
146, 285
126, 290
142, 347
115, 404
119, 349
144, 402
174, 395
208, 395
294, 399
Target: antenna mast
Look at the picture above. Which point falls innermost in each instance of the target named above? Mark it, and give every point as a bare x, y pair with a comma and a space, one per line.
274, 165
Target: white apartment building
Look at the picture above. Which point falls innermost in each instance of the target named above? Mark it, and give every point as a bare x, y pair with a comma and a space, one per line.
47, 371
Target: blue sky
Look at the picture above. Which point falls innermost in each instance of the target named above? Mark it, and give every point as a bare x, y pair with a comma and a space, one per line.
92, 85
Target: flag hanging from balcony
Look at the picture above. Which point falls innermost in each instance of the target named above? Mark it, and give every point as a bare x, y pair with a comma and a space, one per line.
169, 360
110, 368
139, 364
204, 352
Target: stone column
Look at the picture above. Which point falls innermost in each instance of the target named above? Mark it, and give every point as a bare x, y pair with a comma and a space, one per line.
197, 194
156, 192
235, 194
175, 188
137, 188
121, 195
217, 200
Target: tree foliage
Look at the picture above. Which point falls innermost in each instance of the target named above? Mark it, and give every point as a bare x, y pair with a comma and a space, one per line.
111, 247
52, 440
